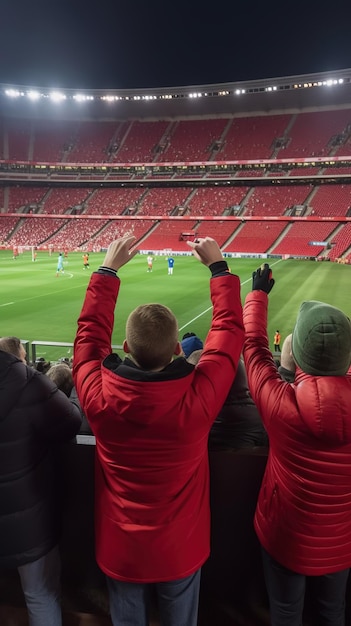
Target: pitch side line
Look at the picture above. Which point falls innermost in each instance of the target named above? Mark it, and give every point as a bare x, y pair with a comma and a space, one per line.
210, 307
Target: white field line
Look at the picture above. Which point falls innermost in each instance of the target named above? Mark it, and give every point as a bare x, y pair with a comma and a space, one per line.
210, 307
43, 295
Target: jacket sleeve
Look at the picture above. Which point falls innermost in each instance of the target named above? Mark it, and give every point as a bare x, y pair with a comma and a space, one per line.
56, 418
218, 363
265, 383
93, 339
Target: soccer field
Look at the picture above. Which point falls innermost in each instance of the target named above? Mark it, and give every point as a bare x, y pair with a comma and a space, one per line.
36, 305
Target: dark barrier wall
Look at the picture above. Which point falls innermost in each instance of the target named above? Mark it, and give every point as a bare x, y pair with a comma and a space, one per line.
232, 588
232, 577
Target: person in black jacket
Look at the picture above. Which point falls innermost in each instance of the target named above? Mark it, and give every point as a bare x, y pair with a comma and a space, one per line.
238, 424
34, 418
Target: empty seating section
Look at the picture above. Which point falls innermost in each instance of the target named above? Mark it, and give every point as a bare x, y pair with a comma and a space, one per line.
312, 133
113, 201
65, 200
34, 231
215, 200
163, 201
300, 234
119, 228
256, 237
141, 142
75, 233
91, 142
331, 200
221, 231
166, 236
193, 140
252, 137
21, 197
18, 133
52, 140
273, 201
341, 242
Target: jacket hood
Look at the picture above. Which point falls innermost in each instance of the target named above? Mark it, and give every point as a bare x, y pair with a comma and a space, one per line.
14, 377
123, 381
324, 405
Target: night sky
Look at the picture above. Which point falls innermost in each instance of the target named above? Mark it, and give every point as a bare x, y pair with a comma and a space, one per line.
125, 45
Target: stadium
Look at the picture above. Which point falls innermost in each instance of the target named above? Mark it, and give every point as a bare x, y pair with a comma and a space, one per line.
263, 167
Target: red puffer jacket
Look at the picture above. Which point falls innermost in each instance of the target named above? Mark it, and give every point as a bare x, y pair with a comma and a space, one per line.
152, 479
303, 514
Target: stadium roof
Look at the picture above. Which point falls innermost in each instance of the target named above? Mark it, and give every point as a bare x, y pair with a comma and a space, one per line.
291, 93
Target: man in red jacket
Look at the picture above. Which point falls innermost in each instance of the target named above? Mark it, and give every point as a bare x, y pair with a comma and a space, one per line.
151, 416
303, 513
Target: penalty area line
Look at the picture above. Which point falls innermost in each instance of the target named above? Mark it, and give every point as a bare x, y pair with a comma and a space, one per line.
7, 303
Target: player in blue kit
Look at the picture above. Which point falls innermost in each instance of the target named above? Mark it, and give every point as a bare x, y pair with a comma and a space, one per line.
170, 262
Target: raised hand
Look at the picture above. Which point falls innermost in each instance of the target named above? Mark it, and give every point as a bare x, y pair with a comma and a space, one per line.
262, 279
119, 252
206, 250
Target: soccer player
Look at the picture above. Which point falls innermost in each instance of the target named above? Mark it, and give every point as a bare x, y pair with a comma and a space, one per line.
60, 269
150, 259
170, 262
86, 261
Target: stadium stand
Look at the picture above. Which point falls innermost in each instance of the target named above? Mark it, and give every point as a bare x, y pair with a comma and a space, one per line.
193, 140
253, 137
143, 143
340, 243
297, 240
256, 237
274, 201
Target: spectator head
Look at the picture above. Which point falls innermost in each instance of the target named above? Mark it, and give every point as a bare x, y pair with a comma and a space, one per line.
13, 345
321, 340
286, 357
190, 343
61, 375
152, 336
41, 365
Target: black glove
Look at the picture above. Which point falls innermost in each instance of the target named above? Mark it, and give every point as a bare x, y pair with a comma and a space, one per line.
262, 279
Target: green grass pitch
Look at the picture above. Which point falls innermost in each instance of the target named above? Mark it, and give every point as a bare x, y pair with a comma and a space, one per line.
37, 305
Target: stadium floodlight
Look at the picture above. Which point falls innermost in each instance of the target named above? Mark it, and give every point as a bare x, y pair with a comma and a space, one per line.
110, 98
13, 93
81, 97
33, 95
57, 96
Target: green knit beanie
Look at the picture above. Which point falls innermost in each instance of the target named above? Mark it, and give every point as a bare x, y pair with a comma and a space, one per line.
321, 340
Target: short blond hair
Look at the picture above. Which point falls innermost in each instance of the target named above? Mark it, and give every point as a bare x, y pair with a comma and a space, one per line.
152, 335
